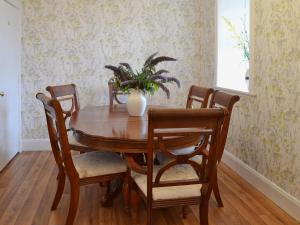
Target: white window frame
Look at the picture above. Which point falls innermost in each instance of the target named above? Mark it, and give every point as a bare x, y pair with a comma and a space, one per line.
252, 52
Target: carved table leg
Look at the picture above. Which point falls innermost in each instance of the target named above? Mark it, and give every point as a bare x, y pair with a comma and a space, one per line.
113, 189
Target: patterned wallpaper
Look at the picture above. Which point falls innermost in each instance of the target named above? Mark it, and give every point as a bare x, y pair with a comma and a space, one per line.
265, 129
71, 40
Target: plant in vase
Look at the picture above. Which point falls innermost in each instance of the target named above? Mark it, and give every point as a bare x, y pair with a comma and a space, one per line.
138, 83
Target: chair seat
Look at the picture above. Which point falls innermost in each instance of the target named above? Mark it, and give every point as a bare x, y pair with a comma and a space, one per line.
175, 173
72, 141
163, 159
93, 164
75, 145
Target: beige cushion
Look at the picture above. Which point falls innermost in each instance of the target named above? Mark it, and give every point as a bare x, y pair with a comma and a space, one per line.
72, 141
92, 164
175, 173
164, 159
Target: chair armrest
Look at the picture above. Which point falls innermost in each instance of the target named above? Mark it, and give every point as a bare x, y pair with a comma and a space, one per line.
205, 153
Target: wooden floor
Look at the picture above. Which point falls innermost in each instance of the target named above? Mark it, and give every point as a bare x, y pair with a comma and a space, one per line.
28, 184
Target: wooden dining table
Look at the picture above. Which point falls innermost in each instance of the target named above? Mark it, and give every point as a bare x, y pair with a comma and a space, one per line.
108, 128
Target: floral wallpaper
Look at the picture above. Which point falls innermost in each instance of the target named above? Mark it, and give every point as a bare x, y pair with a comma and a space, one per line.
265, 128
71, 40
68, 41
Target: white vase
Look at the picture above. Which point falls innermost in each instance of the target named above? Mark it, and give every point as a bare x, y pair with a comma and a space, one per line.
136, 103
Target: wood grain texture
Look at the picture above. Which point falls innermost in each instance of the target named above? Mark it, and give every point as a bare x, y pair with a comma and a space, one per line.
112, 129
66, 166
68, 93
198, 94
27, 188
166, 123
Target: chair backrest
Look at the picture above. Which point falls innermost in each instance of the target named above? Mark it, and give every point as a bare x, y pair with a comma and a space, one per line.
164, 124
65, 93
113, 95
58, 134
198, 94
226, 101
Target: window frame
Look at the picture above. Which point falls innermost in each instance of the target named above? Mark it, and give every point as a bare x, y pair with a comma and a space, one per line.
252, 51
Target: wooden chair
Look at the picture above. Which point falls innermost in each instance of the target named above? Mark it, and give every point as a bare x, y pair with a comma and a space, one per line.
219, 99
114, 95
182, 181
226, 101
81, 169
68, 93
198, 94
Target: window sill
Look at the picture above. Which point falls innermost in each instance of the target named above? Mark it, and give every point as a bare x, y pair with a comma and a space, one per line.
231, 91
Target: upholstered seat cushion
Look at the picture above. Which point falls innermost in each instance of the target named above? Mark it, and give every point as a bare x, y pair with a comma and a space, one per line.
175, 173
163, 158
92, 164
72, 141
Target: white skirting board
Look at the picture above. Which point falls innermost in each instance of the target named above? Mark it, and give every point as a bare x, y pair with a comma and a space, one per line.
36, 145
280, 197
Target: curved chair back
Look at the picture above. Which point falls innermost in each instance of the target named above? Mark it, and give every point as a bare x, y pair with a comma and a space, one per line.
63, 93
226, 101
114, 95
166, 123
198, 94
58, 135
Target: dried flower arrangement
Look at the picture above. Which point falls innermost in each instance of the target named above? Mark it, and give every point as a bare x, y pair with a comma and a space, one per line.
148, 80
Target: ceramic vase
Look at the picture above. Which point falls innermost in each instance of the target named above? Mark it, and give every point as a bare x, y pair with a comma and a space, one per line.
136, 103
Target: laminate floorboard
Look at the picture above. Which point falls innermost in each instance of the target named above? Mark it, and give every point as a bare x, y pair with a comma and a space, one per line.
28, 185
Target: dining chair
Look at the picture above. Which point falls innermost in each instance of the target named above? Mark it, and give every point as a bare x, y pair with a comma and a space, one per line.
198, 94
114, 95
81, 169
182, 181
68, 94
226, 101
219, 99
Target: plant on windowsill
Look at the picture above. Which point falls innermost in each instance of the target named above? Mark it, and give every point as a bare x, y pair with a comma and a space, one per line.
242, 40
139, 83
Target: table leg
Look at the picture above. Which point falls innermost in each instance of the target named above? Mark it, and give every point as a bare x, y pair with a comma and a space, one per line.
113, 189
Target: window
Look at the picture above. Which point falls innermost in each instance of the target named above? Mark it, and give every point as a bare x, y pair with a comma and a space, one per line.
233, 18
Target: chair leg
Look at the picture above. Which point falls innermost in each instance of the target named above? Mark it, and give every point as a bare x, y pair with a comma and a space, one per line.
217, 193
184, 212
203, 211
106, 199
61, 178
75, 190
135, 200
149, 214
108, 187
126, 191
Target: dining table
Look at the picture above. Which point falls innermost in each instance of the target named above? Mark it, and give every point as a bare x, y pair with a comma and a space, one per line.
107, 128
111, 128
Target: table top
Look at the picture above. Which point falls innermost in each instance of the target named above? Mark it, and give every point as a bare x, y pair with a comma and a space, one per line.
110, 123
112, 129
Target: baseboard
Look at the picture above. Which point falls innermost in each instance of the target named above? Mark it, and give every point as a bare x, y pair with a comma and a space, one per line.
36, 145
280, 197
